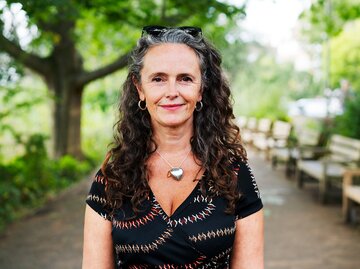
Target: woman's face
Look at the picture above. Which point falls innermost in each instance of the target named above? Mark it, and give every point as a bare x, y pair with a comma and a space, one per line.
170, 84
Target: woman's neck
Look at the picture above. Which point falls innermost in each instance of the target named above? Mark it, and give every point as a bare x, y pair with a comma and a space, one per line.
171, 140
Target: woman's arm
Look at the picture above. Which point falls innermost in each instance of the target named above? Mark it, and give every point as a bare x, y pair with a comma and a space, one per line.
98, 245
248, 248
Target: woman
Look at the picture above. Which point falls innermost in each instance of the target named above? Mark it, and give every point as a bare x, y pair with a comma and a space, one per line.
176, 190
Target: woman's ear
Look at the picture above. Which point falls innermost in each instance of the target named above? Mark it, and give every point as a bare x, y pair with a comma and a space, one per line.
200, 95
138, 88
201, 92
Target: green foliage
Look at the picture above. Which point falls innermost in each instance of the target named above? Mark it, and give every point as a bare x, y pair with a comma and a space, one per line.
234, 56
103, 95
100, 106
328, 17
303, 84
29, 179
348, 124
338, 22
263, 87
17, 107
94, 28
28, 176
105, 29
345, 60
14, 101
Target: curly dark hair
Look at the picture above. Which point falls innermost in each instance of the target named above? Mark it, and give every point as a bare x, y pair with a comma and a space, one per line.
216, 141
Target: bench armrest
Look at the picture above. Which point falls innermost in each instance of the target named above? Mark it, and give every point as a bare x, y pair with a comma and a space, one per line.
349, 175
353, 172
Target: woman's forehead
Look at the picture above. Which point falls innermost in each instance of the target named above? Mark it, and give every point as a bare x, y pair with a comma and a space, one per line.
171, 49
171, 56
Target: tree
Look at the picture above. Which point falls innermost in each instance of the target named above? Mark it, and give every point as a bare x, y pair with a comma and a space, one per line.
322, 23
264, 86
328, 17
346, 56
62, 32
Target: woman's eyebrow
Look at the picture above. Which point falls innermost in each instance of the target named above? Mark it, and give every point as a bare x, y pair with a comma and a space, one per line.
187, 75
156, 74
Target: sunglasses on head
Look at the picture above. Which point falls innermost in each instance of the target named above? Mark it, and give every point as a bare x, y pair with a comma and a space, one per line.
157, 31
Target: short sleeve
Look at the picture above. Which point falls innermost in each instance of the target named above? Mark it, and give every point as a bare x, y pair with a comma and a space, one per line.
96, 198
250, 199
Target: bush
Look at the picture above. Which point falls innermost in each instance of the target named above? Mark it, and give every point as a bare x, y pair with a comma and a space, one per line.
28, 180
348, 124
67, 170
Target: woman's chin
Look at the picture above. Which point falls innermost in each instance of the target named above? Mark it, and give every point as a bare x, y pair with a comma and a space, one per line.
175, 124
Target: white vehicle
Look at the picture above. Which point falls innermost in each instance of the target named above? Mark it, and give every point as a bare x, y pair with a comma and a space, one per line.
319, 107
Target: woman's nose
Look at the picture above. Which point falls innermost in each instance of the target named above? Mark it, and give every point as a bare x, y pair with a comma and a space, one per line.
172, 90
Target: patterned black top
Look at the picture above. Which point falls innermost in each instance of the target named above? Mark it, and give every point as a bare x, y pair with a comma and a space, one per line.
199, 234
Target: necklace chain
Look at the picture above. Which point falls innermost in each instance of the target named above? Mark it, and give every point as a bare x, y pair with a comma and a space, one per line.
171, 166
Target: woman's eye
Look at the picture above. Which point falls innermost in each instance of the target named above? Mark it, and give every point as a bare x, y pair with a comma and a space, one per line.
187, 79
157, 79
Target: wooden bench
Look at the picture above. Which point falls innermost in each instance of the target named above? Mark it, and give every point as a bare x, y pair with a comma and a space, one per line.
351, 193
248, 130
263, 127
241, 122
341, 153
263, 130
297, 146
278, 137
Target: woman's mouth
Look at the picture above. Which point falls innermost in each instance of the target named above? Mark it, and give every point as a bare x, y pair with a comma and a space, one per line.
172, 106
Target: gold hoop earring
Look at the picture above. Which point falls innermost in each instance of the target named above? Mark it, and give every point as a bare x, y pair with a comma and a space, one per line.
142, 107
199, 108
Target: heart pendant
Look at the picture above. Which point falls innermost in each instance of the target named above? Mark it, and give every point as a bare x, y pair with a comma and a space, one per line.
176, 173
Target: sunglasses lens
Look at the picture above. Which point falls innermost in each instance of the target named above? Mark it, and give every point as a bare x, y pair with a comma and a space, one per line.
193, 31
157, 31
154, 30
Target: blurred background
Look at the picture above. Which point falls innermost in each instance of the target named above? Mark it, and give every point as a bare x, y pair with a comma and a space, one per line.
62, 65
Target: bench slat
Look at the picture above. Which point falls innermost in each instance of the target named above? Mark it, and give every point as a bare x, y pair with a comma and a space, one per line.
350, 142
281, 129
316, 168
345, 153
264, 125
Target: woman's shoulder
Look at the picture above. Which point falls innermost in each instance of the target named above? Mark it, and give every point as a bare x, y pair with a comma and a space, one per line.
237, 163
100, 177
250, 198
97, 198
245, 176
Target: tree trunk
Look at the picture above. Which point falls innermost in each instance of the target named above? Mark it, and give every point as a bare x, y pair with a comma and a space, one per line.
67, 122
66, 67
74, 133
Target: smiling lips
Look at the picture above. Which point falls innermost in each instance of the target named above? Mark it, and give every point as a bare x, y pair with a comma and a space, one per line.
172, 106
